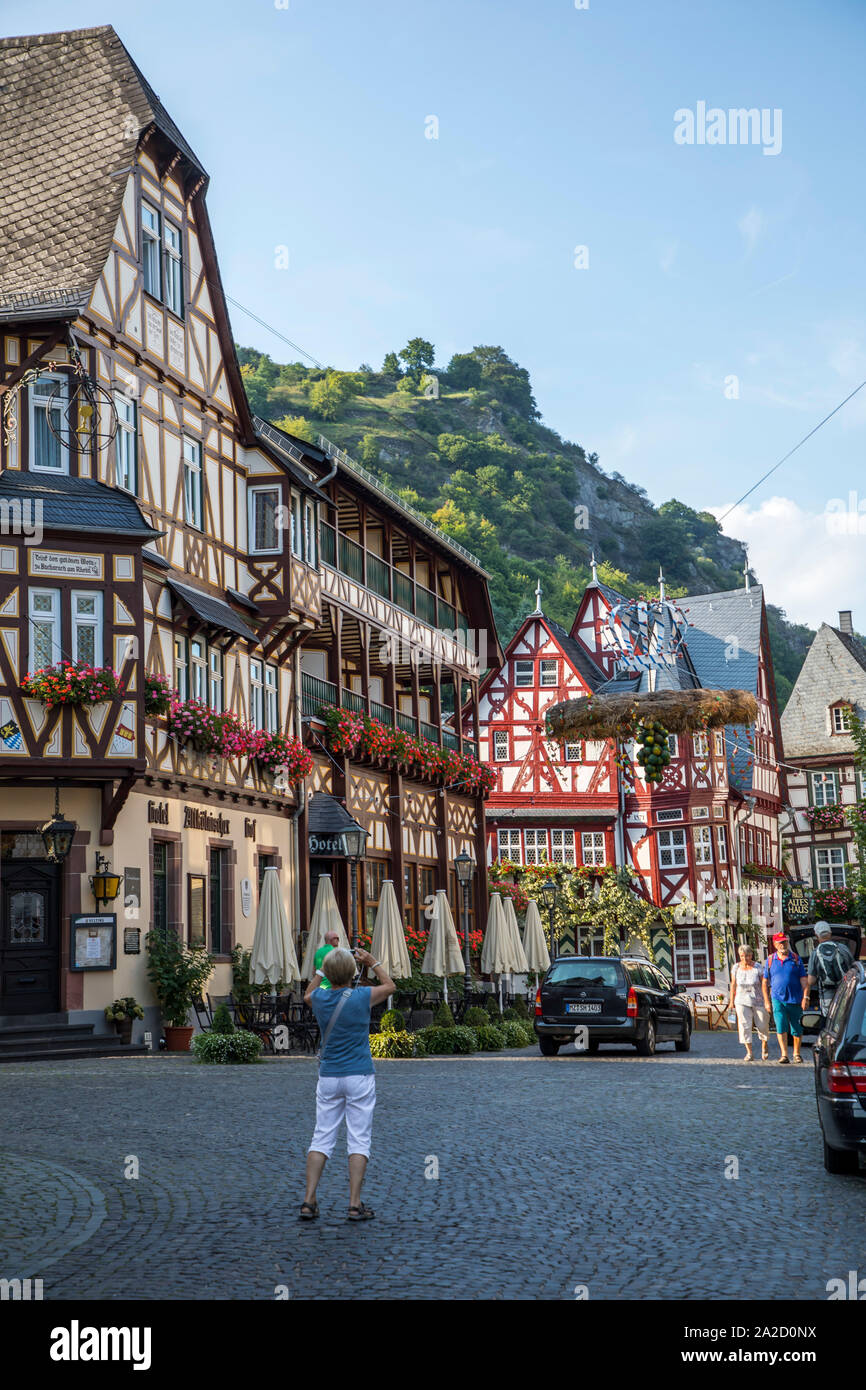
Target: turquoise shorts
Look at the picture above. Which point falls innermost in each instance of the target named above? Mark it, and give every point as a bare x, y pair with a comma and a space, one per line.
788, 1017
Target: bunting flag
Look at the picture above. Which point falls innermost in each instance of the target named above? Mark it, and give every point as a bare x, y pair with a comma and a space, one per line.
647, 635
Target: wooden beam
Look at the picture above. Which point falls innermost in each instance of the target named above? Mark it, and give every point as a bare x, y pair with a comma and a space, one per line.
112, 804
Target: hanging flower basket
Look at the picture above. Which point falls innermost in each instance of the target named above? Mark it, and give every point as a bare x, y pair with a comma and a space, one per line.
825, 817
72, 683
274, 752
358, 735
157, 694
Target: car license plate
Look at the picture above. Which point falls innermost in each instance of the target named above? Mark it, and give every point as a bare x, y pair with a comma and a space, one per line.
583, 1008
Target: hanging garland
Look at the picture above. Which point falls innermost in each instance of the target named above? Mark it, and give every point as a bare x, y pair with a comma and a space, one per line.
653, 752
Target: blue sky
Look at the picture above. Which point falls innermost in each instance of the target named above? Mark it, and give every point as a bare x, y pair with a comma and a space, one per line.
555, 130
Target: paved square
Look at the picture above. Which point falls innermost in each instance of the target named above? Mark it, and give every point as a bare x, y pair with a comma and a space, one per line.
604, 1171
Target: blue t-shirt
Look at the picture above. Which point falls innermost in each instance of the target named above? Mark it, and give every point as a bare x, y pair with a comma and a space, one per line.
348, 1049
785, 977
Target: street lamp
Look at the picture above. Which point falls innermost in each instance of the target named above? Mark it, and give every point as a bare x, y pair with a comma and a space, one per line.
104, 884
57, 833
548, 897
464, 865
354, 844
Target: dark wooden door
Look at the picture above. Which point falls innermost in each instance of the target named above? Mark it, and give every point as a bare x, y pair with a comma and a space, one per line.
29, 937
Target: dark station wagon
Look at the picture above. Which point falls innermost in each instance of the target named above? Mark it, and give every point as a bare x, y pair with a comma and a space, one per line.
618, 999
840, 1074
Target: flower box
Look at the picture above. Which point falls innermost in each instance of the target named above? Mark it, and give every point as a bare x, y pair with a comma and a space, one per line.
72, 683
157, 694
361, 736
825, 817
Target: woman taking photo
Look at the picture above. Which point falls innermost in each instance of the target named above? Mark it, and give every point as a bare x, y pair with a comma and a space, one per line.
747, 999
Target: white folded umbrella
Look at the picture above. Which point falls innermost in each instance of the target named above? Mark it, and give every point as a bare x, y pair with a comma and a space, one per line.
326, 918
494, 952
442, 957
519, 964
534, 944
389, 942
273, 955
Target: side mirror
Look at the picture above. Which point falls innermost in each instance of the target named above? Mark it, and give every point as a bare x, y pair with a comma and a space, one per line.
678, 989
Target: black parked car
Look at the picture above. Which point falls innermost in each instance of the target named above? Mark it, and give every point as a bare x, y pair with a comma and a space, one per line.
618, 999
804, 941
840, 1074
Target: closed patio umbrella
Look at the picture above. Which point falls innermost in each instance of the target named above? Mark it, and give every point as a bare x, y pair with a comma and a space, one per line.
534, 944
515, 946
389, 943
495, 954
273, 955
442, 957
326, 918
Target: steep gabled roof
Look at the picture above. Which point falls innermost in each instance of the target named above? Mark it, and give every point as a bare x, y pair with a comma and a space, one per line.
724, 639
580, 660
834, 670
72, 109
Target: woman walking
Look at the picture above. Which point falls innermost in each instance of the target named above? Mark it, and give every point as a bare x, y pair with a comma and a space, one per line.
746, 998
346, 1088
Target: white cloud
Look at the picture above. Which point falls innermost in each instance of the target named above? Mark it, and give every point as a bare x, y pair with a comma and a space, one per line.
809, 562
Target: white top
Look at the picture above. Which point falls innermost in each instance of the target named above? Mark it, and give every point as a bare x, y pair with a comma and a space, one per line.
747, 985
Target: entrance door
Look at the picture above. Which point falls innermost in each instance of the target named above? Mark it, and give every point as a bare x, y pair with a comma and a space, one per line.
29, 937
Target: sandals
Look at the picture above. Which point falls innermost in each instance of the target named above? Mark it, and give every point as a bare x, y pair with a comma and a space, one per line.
360, 1213
308, 1212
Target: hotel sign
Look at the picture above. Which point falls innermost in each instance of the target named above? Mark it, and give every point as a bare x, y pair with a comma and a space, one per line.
194, 818
327, 846
65, 564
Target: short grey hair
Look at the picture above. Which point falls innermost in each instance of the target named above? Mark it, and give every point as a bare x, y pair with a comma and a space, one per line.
339, 966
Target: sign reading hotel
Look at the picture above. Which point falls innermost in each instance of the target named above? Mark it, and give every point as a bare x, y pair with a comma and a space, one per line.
65, 564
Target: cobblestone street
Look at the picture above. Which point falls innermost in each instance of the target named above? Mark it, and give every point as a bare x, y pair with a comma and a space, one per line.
605, 1171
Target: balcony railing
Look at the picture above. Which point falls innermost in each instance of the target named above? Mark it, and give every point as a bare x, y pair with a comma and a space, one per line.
408, 723
354, 702
317, 693
345, 555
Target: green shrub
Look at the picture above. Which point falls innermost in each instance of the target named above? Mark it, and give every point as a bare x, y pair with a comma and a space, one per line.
443, 1017
520, 1007
441, 1040
492, 1006
476, 1018
488, 1038
392, 1021
392, 1043
222, 1020
515, 1033
239, 1046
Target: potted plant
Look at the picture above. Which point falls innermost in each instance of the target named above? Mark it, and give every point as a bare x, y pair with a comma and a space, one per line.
178, 974
122, 1012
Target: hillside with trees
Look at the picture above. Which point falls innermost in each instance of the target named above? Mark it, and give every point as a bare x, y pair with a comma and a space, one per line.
466, 446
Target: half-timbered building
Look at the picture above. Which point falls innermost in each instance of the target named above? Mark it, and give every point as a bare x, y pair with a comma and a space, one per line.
708, 828
150, 526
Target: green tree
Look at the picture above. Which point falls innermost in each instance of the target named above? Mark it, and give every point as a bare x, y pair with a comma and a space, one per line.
391, 366
298, 426
464, 371
327, 395
418, 355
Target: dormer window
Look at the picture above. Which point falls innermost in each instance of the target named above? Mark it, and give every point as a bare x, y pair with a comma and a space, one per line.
49, 396
840, 719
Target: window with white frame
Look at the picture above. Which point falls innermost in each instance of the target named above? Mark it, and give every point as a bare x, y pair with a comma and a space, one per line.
150, 239
125, 444
722, 844
535, 846
672, 745
830, 867
181, 667
500, 745
508, 845
49, 398
272, 699
562, 846
215, 678
310, 534
592, 846
700, 745
257, 694
44, 614
523, 672
264, 520
841, 723
861, 785
173, 268
703, 840
825, 788
691, 955
549, 672
672, 849
87, 626
192, 482
719, 744
198, 670
573, 753
297, 538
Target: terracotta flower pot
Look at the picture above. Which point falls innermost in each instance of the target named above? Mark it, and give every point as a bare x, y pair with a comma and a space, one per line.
177, 1039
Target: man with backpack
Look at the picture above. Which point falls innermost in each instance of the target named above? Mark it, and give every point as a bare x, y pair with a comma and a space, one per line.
827, 964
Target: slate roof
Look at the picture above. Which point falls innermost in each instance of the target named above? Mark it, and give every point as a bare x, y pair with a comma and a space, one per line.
834, 669
72, 109
214, 612
581, 660
291, 452
76, 504
325, 815
719, 620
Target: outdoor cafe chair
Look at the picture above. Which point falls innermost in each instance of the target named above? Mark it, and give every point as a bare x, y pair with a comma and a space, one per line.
203, 1016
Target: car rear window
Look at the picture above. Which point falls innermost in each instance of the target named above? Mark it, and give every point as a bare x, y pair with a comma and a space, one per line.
586, 972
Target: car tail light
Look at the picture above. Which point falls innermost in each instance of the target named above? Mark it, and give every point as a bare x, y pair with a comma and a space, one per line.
538, 1002
847, 1078
631, 1006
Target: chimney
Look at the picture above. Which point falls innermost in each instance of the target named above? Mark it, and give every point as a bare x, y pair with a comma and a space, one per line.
845, 623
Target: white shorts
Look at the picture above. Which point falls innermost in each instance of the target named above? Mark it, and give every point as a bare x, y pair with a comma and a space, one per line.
352, 1098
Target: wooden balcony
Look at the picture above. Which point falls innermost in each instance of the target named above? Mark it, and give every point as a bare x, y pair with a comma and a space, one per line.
318, 694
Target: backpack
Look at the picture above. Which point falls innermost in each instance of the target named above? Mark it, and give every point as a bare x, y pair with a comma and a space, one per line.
830, 970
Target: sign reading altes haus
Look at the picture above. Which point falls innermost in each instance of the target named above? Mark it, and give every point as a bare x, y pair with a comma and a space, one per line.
196, 819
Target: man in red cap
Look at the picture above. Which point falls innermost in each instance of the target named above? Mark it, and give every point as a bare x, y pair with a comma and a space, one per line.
786, 992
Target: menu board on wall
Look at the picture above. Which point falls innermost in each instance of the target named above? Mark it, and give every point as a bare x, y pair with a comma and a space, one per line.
94, 941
